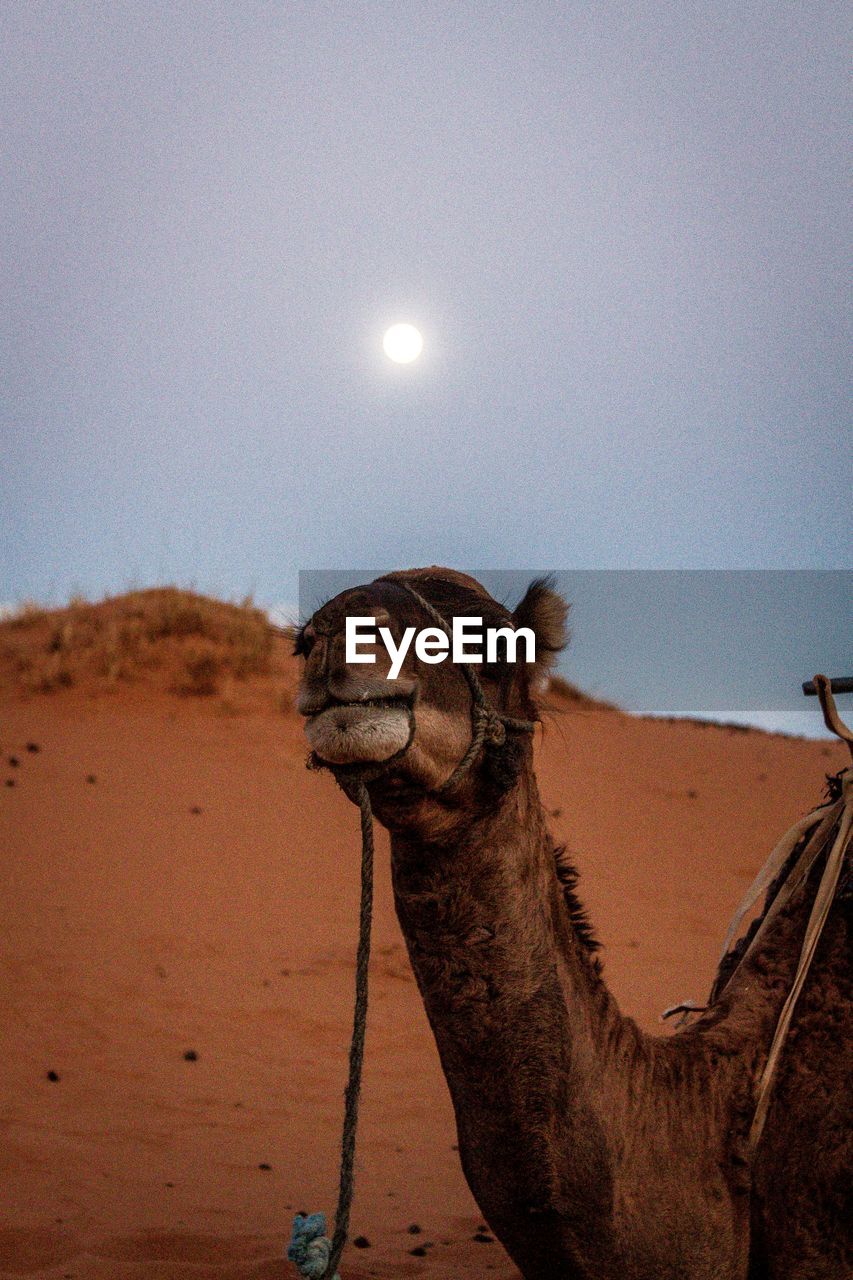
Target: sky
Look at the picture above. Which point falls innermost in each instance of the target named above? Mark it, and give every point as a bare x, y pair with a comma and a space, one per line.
621, 228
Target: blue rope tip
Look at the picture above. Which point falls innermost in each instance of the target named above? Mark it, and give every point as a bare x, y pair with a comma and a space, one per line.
310, 1248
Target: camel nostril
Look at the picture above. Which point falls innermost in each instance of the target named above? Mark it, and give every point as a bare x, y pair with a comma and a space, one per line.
310, 702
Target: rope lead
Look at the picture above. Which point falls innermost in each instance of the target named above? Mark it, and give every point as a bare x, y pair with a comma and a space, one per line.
315, 1255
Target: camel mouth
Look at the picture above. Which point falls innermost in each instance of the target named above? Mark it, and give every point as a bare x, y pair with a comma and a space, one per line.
365, 732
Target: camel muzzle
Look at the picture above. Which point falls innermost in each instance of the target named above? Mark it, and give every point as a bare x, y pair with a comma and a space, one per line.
360, 732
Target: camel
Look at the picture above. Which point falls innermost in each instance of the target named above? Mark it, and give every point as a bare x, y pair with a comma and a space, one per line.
593, 1149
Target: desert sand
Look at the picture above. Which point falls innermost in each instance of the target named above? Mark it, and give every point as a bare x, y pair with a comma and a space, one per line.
179, 898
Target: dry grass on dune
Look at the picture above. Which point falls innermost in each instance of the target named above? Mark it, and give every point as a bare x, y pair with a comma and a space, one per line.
165, 638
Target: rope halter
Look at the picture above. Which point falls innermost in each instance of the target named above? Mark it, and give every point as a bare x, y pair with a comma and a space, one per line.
488, 726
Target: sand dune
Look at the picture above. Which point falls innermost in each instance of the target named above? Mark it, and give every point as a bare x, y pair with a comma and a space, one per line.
179, 902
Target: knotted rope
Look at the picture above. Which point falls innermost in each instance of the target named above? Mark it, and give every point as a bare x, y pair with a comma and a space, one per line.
310, 1248
315, 1255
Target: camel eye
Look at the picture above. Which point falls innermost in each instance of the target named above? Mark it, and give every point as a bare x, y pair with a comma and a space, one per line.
305, 638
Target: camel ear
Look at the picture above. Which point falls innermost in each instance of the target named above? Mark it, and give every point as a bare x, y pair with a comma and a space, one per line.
545, 612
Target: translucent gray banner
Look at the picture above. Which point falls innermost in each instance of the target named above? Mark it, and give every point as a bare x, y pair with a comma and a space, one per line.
717, 643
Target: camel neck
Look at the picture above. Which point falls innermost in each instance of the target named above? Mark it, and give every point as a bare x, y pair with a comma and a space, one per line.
520, 1016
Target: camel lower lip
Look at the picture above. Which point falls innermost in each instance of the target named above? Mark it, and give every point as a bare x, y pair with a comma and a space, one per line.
360, 732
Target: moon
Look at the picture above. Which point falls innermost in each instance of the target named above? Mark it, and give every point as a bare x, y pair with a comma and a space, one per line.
402, 343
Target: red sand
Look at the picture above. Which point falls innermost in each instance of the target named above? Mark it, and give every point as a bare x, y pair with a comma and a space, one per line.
136, 930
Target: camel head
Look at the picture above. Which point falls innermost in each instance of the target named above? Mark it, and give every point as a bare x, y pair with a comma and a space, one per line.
413, 729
